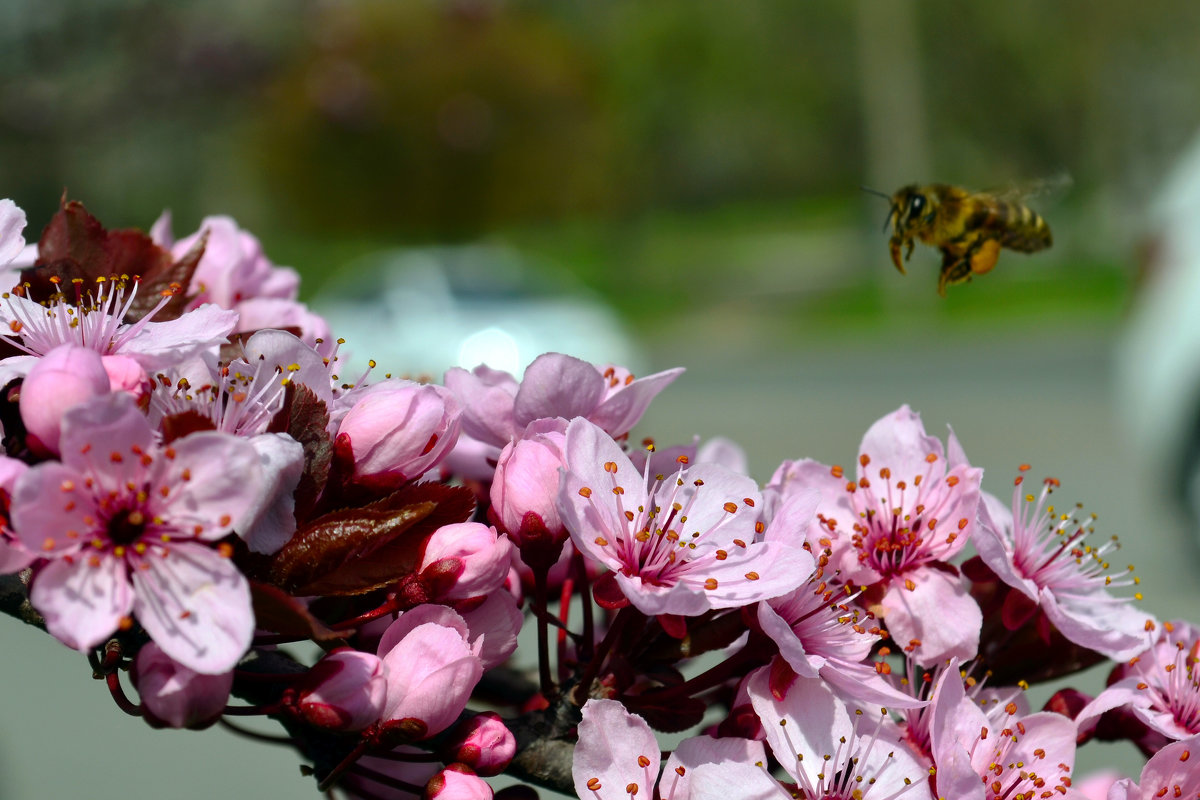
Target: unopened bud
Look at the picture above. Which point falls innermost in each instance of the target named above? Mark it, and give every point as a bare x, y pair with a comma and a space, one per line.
484, 743
344, 691
175, 697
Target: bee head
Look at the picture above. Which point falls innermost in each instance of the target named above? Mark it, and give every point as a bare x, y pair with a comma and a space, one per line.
911, 207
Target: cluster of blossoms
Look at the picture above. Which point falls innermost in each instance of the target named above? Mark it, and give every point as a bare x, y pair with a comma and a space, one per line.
189, 489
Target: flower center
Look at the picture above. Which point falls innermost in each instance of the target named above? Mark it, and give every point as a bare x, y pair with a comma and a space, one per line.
127, 526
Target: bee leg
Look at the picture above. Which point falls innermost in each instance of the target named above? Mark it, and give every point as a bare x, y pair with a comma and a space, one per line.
955, 269
984, 256
894, 247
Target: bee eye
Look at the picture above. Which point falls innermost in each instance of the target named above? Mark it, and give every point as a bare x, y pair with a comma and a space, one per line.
916, 204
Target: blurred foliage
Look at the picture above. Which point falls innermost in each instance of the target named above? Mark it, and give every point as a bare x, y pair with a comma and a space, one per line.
737, 131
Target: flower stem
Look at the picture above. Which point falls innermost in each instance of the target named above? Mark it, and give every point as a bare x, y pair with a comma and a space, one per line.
113, 679
593, 667
540, 591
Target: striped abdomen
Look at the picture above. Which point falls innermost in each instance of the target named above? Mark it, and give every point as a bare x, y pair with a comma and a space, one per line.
1018, 227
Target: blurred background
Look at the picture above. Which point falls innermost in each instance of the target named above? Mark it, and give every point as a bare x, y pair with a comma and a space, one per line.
657, 184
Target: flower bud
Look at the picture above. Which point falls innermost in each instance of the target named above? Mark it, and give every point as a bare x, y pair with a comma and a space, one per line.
399, 430
465, 559
525, 492
457, 782
484, 744
432, 670
62, 379
344, 691
175, 697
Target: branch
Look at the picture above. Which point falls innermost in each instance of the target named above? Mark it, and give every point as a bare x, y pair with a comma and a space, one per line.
14, 599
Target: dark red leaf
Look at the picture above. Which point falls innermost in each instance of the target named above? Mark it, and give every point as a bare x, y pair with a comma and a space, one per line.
305, 418
357, 550
176, 426
669, 715
75, 246
279, 612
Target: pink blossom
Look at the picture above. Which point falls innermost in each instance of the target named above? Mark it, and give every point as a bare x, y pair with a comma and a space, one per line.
1173, 772
62, 379
897, 526
820, 634
399, 430
525, 491
618, 757
980, 755
484, 743
242, 396
344, 691
496, 409
174, 696
234, 273
95, 319
464, 560
1160, 685
126, 524
682, 544
831, 752
1046, 555
233, 267
431, 671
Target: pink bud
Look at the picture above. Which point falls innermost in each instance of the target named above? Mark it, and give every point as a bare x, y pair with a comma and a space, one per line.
525, 491
344, 691
484, 744
432, 670
457, 782
399, 430
175, 697
63, 378
465, 559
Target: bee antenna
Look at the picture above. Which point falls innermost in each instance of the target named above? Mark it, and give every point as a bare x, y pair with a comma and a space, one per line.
869, 190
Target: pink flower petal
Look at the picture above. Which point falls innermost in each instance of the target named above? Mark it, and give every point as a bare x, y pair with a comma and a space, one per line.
224, 483
557, 385
160, 344
622, 409
487, 397
195, 605
938, 611
899, 442
616, 749
82, 599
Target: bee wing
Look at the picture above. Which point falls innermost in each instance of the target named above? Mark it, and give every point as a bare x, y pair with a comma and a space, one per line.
1052, 186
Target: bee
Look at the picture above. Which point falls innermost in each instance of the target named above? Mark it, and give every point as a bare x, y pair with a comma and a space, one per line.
968, 227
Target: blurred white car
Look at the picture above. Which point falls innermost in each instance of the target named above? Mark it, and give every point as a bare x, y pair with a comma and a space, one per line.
1158, 364
419, 312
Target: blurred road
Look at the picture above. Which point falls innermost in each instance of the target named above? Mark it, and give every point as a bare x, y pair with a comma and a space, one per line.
1043, 401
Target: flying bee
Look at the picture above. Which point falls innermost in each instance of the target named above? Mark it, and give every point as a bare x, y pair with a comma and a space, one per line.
968, 227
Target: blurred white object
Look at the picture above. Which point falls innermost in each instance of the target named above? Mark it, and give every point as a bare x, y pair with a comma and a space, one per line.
419, 312
1158, 364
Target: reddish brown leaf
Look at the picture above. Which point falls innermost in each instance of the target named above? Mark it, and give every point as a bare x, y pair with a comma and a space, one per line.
373, 547
340, 539
75, 246
279, 612
669, 715
176, 426
305, 418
